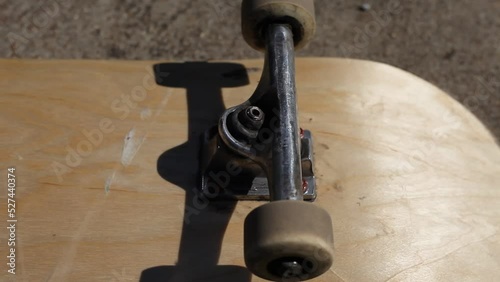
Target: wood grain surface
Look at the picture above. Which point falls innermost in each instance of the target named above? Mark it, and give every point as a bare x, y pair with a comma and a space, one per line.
106, 165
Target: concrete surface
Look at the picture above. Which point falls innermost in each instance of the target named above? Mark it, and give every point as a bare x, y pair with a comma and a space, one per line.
454, 44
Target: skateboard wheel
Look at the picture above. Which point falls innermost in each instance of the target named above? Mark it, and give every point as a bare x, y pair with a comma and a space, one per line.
288, 241
299, 14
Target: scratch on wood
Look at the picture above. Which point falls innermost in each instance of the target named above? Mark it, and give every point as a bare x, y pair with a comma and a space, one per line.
65, 265
146, 113
110, 179
336, 275
441, 257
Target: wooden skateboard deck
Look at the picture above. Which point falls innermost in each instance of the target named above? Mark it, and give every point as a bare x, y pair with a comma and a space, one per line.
106, 172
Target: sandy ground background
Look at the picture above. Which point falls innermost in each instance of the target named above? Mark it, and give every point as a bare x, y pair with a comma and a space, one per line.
454, 44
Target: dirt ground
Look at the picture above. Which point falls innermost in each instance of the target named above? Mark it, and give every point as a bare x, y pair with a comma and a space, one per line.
454, 44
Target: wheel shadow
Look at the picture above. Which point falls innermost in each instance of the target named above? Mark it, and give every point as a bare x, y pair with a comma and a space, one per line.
204, 222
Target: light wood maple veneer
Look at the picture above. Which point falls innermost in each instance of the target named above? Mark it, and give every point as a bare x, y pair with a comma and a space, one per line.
106, 166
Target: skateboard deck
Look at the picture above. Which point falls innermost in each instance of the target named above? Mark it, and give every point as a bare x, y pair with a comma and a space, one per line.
106, 166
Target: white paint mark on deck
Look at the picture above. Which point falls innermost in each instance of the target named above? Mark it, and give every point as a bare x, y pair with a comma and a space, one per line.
131, 145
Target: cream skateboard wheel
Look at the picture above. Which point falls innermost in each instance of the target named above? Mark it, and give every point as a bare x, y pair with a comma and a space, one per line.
256, 14
288, 241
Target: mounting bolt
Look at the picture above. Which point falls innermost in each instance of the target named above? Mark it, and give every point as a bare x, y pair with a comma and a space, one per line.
252, 118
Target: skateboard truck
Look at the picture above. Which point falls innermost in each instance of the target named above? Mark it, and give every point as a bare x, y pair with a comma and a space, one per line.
260, 139
258, 152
